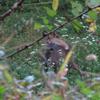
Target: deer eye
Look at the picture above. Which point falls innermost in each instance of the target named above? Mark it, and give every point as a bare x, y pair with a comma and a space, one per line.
51, 49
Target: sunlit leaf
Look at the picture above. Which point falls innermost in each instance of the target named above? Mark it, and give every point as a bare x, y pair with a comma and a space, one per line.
47, 98
2, 89
50, 12
81, 84
45, 20
55, 4
67, 59
86, 91
96, 86
37, 26
96, 96
24, 83
53, 96
56, 96
92, 15
7, 76
92, 27
77, 25
98, 9
89, 20
49, 27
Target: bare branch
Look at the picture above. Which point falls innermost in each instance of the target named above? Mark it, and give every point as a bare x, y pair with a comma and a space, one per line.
12, 9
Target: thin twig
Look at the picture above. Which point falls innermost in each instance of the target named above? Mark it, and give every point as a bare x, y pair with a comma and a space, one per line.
12, 9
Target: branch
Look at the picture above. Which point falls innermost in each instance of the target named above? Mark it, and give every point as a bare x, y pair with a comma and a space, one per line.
54, 30
12, 9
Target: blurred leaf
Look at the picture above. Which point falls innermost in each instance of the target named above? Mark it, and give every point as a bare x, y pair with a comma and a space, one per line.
2, 90
96, 96
53, 96
67, 59
96, 87
50, 12
92, 15
55, 4
56, 96
98, 9
37, 26
81, 84
45, 20
76, 8
92, 27
92, 3
24, 83
49, 27
86, 91
47, 98
77, 25
7, 76
89, 20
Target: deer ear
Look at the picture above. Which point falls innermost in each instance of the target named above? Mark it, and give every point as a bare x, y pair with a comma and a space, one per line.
55, 35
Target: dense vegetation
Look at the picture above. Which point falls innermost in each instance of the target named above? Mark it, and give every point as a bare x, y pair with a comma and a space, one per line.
77, 22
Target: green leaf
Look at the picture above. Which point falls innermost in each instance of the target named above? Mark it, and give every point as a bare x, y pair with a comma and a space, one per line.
2, 90
96, 96
37, 26
81, 84
76, 8
77, 25
50, 12
55, 4
86, 91
93, 15
49, 27
7, 76
56, 96
96, 87
45, 20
